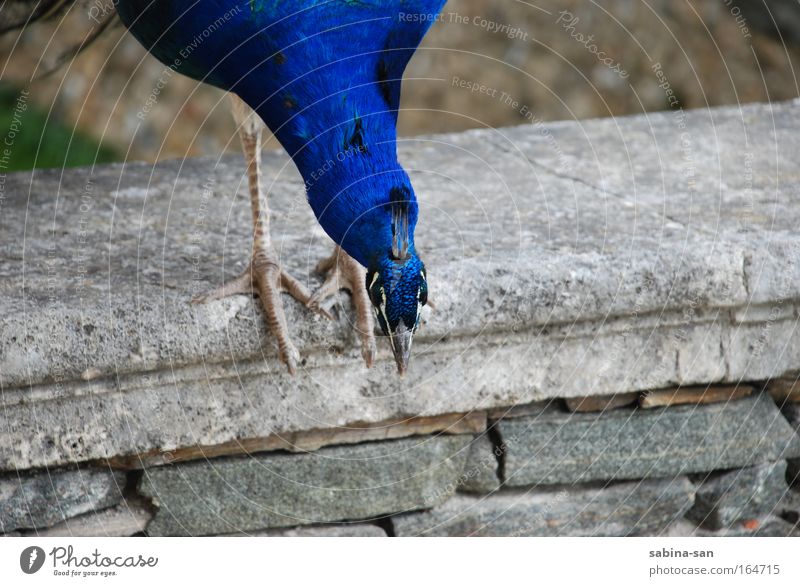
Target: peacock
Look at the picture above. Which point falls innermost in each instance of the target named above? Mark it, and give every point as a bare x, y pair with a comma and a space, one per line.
325, 77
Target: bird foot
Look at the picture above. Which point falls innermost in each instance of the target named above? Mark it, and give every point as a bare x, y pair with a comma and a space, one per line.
265, 277
344, 272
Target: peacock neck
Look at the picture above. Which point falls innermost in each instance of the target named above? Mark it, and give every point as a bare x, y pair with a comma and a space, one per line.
350, 189
345, 147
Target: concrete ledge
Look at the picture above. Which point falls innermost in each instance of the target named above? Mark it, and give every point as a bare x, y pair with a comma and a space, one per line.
568, 260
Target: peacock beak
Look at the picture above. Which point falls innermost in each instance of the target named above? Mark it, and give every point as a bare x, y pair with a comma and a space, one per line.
401, 346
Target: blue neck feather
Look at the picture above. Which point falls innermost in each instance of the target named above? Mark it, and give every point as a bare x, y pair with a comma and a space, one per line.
324, 76
337, 119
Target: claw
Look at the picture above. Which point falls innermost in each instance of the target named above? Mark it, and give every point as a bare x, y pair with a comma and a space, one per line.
265, 277
314, 304
241, 285
321, 310
369, 351
343, 272
290, 357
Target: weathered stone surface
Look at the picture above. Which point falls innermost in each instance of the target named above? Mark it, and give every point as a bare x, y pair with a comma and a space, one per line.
481, 472
42, 499
340, 483
127, 518
641, 274
351, 530
739, 494
629, 508
307, 441
628, 444
601, 402
693, 395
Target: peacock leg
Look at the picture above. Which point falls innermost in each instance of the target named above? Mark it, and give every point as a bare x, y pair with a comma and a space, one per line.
344, 272
264, 275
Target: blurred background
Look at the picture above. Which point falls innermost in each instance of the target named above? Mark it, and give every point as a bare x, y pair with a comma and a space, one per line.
484, 63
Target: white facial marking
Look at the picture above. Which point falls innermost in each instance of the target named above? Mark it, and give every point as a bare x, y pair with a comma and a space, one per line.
382, 310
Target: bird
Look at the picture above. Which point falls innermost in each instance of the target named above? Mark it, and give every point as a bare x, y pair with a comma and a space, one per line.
325, 77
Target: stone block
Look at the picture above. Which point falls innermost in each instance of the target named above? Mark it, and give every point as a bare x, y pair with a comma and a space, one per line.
44, 498
628, 508
481, 472
127, 518
739, 494
628, 444
341, 483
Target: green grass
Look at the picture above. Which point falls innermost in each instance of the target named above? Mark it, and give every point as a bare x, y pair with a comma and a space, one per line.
58, 145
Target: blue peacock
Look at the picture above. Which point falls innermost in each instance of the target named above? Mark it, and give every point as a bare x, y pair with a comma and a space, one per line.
325, 77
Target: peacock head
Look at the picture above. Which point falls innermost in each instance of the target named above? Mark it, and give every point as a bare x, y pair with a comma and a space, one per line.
398, 289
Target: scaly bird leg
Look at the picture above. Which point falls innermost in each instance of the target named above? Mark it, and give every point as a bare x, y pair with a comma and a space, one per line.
344, 272
264, 275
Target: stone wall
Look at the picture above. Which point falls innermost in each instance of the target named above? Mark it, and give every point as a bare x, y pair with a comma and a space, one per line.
614, 349
714, 464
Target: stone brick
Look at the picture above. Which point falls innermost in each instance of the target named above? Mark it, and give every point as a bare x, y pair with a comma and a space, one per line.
43, 498
481, 469
739, 494
628, 508
628, 444
339, 483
